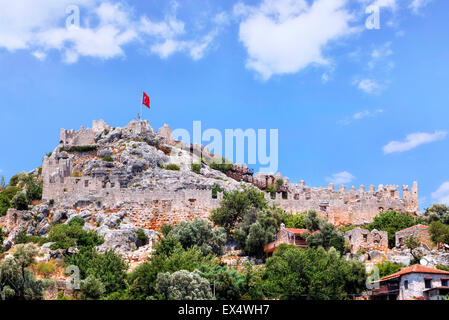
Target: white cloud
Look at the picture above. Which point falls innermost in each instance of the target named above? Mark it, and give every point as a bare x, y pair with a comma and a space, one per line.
106, 28
341, 178
442, 194
417, 5
286, 36
389, 4
413, 140
360, 115
368, 85
380, 55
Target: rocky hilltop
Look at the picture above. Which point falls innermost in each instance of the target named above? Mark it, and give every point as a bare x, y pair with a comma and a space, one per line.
120, 180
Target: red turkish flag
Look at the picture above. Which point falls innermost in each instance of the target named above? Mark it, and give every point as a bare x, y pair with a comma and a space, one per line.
146, 100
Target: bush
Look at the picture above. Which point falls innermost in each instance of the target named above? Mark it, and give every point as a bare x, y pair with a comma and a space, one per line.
72, 234
80, 148
143, 279
294, 220
142, 238
182, 285
215, 190
22, 238
314, 274
199, 233
441, 267
229, 284
107, 159
5, 204
91, 289
437, 212
196, 167
34, 190
387, 268
223, 166
20, 201
17, 281
439, 232
108, 267
279, 182
11, 192
234, 206
173, 167
46, 269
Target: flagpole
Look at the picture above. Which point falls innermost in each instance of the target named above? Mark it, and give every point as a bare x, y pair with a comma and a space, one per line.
141, 108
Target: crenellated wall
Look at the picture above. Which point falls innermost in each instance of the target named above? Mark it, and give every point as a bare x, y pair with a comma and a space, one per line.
150, 208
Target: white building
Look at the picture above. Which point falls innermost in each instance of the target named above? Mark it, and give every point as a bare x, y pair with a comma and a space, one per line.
414, 282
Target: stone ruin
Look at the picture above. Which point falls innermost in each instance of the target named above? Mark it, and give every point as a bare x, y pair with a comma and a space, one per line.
362, 239
150, 207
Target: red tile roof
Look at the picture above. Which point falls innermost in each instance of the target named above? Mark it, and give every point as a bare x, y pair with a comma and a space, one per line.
419, 226
416, 268
296, 231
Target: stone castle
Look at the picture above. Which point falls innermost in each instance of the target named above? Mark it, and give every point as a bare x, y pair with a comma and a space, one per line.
136, 183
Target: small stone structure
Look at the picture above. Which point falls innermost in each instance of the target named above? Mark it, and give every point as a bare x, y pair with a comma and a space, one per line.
420, 231
287, 236
362, 239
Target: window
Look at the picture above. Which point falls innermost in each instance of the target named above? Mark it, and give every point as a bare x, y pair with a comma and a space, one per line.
86, 183
428, 283
444, 282
406, 284
365, 237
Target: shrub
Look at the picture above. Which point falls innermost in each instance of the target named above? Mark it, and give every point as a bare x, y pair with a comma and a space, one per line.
72, 234
80, 148
294, 220
109, 267
196, 167
22, 238
182, 285
172, 166
199, 233
20, 201
387, 268
314, 274
279, 182
16, 279
234, 206
46, 269
441, 267
215, 190
91, 289
142, 238
107, 159
34, 190
439, 232
223, 166
5, 204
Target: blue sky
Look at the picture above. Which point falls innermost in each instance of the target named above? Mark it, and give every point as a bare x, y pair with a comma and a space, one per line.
352, 105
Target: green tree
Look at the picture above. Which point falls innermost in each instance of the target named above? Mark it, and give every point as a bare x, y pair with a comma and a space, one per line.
91, 289
294, 220
322, 233
234, 206
439, 232
182, 285
387, 268
5, 204
392, 222
437, 212
257, 228
200, 233
20, 201
142, 280
17, 281
228, 283
314, 274
108, 267
70, 235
